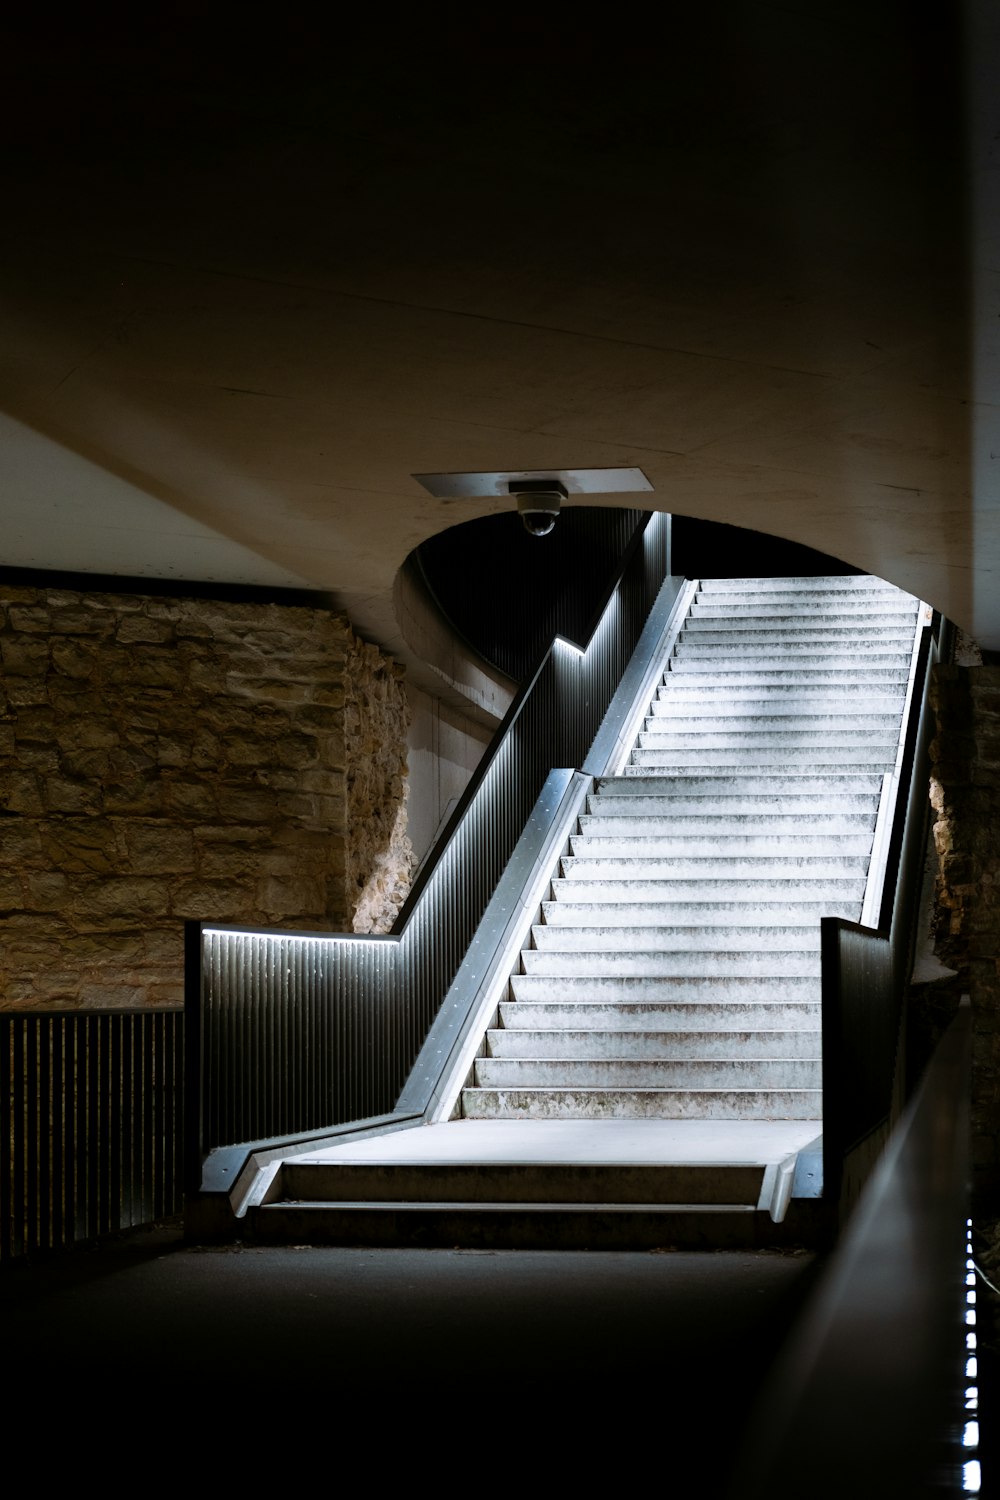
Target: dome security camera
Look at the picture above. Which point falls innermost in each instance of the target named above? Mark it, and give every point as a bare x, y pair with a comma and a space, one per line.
538, 502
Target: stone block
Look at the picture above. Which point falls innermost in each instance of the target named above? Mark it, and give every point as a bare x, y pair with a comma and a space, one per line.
72, 658
106, 943
64, 796
245, 804
20, 793
140, 629
296, 751
26, 691
159, 670
128, 896
195, 800
286, 900
139, 796
159, 848
230, 862
73, 618
212, 901
165, 996
80, 845
231, 833
46, 890
110, 996
267, 689
87, 765
20, 842
248, 750
30, 619
25, 656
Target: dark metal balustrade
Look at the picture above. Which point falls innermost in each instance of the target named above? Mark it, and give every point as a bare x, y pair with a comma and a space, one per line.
866, 971
869, 1398
291, 1035
92, 1138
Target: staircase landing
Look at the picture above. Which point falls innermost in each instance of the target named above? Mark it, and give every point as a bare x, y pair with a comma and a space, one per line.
585, 1184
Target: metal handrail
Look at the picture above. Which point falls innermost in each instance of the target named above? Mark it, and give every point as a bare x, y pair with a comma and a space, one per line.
865, 1398
295, 1035
865, 970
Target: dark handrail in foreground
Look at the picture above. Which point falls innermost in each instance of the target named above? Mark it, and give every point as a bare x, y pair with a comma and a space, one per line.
293, 1033
866, 970
865, 1400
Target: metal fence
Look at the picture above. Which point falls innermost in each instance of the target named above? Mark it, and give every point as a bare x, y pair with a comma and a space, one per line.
866, 970
291, 1034
93, 1136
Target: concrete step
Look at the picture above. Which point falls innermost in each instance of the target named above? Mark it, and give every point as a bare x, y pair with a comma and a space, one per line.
803, 675
843, 612
646, 938
754, 757
669, 1045
533, 1226
763, 737
767, 636
763, 809
660, 817
742, 840
750, 867
522, 1182
637, 989
587, 886
707, 646
809, 791
846, 582
761, 916
672, 718
685, 696
642, 1104
749, 663
697, 963
570, 1073
767, 1015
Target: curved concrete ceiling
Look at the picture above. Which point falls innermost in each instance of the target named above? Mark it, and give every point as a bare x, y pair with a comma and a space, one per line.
254, 281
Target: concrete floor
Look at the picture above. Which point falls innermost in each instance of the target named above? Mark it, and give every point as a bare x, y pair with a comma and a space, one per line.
573, 1364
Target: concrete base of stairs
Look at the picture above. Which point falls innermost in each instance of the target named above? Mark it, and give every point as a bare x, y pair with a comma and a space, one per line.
603, 1184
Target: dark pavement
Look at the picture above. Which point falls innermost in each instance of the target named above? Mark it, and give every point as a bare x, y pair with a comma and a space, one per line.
585, 1364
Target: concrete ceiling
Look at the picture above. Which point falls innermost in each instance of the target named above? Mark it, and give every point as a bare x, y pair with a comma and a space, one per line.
255, 276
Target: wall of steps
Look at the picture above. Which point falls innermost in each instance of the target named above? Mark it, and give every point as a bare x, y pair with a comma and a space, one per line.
675, 970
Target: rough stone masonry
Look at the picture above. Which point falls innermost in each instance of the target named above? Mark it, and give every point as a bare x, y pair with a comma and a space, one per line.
164, 758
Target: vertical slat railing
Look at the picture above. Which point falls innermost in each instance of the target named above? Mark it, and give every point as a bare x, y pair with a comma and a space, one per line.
379, 995
92, 1125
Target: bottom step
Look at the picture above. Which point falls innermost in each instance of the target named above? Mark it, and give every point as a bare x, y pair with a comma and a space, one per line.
533, 1226
642, 1104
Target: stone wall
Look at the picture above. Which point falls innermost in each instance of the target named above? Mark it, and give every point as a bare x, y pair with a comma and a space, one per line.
379, 853
965, 794
164, 758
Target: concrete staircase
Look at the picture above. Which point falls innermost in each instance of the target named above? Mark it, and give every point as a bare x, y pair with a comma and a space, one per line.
675, 973
652, 1075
